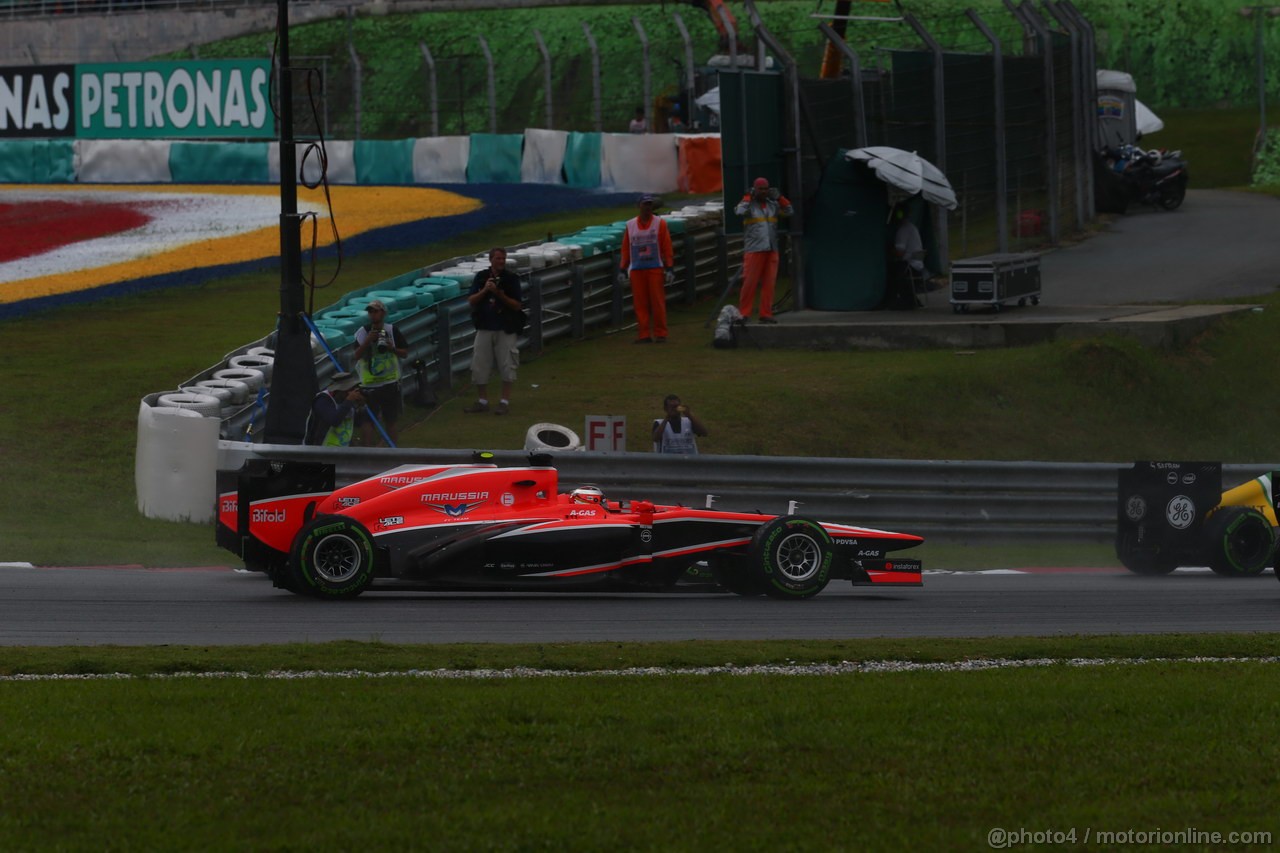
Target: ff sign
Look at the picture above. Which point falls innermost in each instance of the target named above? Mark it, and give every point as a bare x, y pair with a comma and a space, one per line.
606, 432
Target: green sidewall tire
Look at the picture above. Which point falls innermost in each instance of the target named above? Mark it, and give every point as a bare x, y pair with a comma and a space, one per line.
791, 557
332, 558
1241, 542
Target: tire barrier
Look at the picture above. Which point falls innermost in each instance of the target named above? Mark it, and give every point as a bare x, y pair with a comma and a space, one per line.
253, 378
173, 411
237, 391
205, 405
547, 437
262, 363
222, 392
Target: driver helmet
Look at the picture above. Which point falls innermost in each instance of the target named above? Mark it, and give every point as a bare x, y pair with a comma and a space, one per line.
587, 495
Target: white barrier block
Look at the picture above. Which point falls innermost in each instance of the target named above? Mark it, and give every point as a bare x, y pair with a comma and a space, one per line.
342, 162
175, 467
122, 161
640, 162
441, 159
543, 158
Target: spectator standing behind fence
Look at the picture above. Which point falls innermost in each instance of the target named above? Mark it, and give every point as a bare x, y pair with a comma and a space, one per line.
648, 264
379, 348
496, 312
638, 124
677, 431
760, 209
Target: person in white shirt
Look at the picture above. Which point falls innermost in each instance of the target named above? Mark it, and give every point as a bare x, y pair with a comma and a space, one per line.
678, 431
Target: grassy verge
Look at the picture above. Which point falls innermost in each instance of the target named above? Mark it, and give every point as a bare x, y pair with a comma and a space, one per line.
684, 762
345, 656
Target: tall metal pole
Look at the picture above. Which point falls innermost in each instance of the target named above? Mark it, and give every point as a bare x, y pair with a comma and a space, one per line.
293, 378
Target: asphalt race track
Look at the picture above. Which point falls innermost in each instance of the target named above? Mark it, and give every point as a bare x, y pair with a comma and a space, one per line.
47, 607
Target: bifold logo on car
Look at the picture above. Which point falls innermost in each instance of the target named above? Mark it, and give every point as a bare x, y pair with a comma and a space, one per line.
269, 515
230, 505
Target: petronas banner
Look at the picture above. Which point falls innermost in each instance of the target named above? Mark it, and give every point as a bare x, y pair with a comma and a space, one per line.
210, 99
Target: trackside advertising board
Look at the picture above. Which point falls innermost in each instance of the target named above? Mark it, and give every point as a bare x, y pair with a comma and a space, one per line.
138, 100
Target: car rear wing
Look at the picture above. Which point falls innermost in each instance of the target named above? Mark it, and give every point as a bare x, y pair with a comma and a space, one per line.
1161, 509
257, 480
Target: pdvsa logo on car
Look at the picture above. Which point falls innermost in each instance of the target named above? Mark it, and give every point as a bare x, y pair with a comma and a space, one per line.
391, 521
842, 540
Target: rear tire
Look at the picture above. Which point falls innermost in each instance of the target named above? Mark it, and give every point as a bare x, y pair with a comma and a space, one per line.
791, 557
1240, 541
332, 558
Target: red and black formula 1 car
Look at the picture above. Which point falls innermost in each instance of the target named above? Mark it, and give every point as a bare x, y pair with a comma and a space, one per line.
484, 527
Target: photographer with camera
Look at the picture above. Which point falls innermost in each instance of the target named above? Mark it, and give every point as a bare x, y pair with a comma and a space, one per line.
333, 412
498, 315
760, 209
379, 348
676, 432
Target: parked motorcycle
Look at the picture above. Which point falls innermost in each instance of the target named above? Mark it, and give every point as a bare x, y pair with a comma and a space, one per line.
1128, 174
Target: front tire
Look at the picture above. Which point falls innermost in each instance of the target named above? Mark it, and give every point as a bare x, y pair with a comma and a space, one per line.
791, 557
332, 558
1240, 541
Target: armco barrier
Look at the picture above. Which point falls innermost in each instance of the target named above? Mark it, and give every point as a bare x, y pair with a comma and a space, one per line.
952, 502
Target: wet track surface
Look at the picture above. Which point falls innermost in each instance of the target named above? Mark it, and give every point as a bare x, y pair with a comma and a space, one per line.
212, 607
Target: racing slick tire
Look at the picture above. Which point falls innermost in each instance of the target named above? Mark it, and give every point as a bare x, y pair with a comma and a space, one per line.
1240, 541
332, 558
791, 557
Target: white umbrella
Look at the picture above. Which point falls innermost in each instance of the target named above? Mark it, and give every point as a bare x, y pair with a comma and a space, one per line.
710, 100
908, 172
1145, 119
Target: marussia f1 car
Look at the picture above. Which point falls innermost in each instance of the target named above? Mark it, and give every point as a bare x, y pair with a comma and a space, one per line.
484, 527
1173, 514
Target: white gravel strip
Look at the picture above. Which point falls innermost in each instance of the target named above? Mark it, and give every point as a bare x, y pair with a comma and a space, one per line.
842, 668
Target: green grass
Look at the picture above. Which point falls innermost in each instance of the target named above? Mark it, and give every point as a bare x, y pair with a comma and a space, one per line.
933, 760
1218, 143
